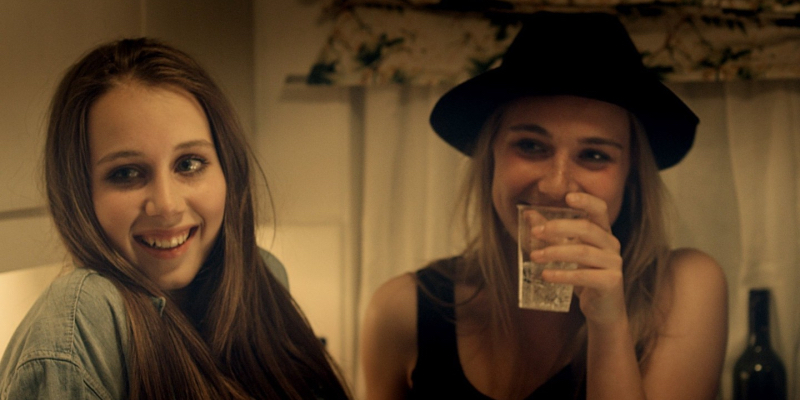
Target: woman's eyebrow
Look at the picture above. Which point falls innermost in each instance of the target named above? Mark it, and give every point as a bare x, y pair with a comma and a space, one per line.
601, 141
528, 127
132, 154
117, 155
194, 143
540, 130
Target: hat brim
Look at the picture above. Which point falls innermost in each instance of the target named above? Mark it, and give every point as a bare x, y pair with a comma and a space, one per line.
669, 124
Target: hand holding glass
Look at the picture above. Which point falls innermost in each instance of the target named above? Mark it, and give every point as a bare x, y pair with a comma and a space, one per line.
534, 293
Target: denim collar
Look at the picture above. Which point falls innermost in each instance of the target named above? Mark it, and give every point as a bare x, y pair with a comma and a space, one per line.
159, 303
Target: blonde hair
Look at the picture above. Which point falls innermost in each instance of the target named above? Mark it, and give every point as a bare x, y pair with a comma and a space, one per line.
640, 228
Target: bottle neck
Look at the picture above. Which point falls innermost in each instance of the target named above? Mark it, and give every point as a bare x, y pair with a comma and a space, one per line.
759, 318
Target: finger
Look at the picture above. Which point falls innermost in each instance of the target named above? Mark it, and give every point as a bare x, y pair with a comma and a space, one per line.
575, 231
583, 255
533, 217
596, 209
601, 280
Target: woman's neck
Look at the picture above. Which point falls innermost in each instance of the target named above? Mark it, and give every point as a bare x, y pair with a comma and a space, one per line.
186, 300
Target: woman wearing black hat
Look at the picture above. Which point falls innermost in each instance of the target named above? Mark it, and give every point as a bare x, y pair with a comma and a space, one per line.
571, 118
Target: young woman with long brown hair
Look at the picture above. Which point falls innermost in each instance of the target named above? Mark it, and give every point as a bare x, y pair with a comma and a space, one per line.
571, 119
150, 184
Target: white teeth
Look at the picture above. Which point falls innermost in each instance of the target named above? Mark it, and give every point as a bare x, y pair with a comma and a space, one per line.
166, 243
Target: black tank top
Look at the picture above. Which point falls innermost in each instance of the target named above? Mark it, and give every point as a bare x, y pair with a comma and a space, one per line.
438, 373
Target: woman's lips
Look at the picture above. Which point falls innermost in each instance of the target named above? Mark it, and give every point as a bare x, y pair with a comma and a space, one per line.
166, 245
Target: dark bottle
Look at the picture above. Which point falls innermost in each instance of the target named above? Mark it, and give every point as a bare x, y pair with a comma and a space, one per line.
759, 373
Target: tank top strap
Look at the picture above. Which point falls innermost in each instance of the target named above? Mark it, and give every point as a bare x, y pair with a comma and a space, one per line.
438, 373
436, 329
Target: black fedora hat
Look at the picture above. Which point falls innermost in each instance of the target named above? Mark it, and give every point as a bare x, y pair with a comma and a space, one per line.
581, 54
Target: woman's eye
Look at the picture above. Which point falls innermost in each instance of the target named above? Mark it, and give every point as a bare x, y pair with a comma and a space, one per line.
124, 175
528, 146
190, 165
595, 156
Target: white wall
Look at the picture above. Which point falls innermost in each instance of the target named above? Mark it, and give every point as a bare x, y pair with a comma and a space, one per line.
306, 146
40, 40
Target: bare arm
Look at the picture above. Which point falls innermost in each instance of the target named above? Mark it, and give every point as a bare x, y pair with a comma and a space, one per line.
688, 355
612, 367
687, 360
389, 339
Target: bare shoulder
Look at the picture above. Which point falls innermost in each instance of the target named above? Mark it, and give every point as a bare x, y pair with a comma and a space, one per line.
694, 270
393, 306
388, 343
402, 285
691, 256
699, 289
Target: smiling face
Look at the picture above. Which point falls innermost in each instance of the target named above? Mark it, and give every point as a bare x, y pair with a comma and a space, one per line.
549, 146
157, 184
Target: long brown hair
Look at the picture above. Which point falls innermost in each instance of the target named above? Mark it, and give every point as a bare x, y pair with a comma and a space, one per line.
640, 227
244, 337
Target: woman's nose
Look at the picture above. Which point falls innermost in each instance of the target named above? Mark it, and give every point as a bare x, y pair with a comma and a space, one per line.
164, 198
557, 179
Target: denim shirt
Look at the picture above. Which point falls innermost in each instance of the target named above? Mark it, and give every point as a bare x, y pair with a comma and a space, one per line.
73, 343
